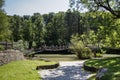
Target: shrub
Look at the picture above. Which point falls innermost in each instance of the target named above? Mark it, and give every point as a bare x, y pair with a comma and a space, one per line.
84, 53
99, 55
78, 47
21, 45
2, 47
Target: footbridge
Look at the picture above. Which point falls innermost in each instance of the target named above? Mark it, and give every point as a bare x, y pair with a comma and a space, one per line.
52, 49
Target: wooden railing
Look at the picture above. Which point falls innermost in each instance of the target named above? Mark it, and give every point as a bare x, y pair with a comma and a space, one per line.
54, 48
7, 45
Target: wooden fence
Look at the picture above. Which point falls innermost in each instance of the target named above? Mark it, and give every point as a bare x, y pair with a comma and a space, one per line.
7, 45
53, 48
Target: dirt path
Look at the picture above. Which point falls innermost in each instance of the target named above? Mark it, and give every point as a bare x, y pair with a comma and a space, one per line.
67, 71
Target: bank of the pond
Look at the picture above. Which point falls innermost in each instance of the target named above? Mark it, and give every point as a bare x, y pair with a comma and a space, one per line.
112, 64
22, 70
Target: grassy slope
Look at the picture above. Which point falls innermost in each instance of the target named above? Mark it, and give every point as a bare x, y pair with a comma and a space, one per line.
113, 65
21, 70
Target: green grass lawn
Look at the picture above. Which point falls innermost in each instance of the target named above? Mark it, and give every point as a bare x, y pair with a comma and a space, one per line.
113, 65
57, 57
22, 70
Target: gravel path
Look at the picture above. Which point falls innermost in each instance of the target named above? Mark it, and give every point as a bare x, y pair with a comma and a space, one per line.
67, 71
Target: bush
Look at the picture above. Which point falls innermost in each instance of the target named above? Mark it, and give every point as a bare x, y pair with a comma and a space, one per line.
78, 47
99, 55
21, 45
84, 53
2, 47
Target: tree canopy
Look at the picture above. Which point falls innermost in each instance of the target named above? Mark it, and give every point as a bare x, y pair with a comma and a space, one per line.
1, 3
113, 6
57, 28
4, 29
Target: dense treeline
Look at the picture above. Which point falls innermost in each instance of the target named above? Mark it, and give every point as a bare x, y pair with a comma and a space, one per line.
99, 28
57, 28
4, 29
49, 29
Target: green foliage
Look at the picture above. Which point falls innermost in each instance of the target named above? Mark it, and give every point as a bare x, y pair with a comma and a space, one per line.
38, 28
21, 45
34, 44
112, 64
4, 28
74, 23
102, 51
96, 28
2, 47
16, 27
110, 35
79, 48
1, 3
28, 28
102, 30
93, 5
55, 30
99, 54
90, 38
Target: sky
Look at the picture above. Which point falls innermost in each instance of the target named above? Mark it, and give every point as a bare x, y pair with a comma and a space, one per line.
28, 7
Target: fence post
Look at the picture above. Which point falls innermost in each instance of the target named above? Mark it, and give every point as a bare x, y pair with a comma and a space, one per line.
6, 45
12, 44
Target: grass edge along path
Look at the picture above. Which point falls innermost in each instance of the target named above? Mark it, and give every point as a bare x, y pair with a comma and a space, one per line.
22, 70
113, 65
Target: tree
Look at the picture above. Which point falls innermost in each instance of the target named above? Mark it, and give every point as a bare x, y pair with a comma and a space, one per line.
39, 29
103, 30
4, 28
73, 23
48, 17
28, 32
56, 30
79, 48
113, 6
16, 27
1, 4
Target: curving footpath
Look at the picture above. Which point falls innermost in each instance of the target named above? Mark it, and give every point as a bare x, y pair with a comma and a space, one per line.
67, 71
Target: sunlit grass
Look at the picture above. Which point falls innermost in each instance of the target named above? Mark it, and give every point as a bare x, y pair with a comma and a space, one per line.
57, 57
21, 70
113, 65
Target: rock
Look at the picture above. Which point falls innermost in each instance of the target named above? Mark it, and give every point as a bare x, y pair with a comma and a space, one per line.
10, 55
101, 72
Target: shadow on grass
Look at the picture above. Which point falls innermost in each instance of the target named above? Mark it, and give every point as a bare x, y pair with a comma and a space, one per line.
113, 65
